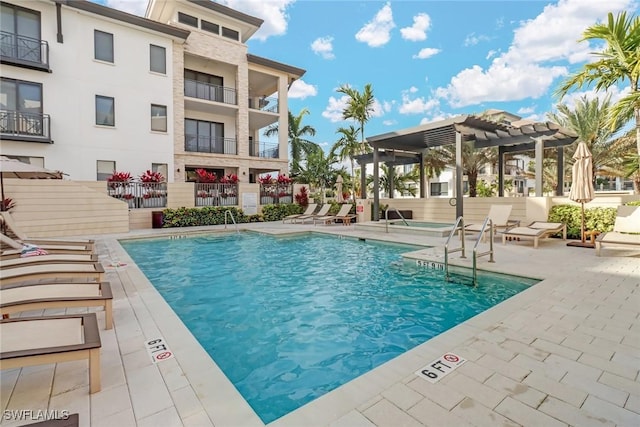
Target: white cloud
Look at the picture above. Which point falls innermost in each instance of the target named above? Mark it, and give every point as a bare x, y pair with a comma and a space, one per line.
389, 122
300, 90
615, 93
333, 112
524, 70
418, 31
135, 7
425, 53
473, 39
418, 105
525, 110
273, 12
323, 46
376, 33
491, 54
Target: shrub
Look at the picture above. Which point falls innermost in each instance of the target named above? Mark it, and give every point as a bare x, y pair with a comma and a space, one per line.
279, 211
598, 218
149, 176
302, 198
208, 215
204, 176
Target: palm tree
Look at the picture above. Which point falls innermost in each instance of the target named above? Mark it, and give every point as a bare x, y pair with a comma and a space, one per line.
472, 162
359, 107
619, 62
347, 147
401, 182
588, 119
300, 147
436, 160
318, 170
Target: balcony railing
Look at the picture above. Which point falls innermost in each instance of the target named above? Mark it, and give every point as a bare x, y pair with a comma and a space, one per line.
201, 90
216, 194
267, 150
33, 126
210, 144
23, 50
140, 194
276, 194
264, 104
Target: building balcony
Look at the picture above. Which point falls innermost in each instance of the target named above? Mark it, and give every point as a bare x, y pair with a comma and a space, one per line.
266, 150
23, 51
22, 126
210, 144
266, 104
200, 90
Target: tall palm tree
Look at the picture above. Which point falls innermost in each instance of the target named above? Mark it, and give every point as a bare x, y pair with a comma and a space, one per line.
300, 147
347, 147
401, 182
319, 170
619, 62
359, 106
473, 160
588, 119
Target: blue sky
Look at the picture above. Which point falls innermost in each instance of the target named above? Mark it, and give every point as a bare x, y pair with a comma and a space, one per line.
425, 60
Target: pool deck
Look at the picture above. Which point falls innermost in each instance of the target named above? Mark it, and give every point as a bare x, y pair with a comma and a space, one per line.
564, 352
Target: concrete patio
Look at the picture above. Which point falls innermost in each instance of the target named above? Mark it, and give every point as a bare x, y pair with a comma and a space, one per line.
564, 352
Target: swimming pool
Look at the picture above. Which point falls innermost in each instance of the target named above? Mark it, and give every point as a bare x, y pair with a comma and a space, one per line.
421, 224
289, 319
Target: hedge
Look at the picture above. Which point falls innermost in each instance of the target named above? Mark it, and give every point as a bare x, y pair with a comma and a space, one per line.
599, 218
208, 215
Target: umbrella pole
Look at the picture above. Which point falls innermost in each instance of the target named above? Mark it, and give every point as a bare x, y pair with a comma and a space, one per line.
582, 224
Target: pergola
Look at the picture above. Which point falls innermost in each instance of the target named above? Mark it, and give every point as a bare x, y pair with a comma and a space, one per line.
409, 146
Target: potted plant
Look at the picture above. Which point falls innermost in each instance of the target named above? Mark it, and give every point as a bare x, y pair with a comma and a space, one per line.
118, 184
152, 183
229, 190
267, 189
285, 192
204, 198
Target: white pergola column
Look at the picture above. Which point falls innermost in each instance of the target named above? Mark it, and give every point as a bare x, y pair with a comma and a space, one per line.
538, 169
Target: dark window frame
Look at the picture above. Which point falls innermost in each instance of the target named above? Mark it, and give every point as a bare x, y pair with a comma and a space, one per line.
113, 101
230, 34
186, 19
209, 27
164, 64
166, 118
95, 47
19, 82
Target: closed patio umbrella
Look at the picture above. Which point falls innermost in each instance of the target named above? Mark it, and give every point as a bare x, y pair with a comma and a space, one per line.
582, 185
11, 168
339, 197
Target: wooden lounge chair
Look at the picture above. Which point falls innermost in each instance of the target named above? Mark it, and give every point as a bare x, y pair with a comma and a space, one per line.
29, 341
19, 297
44, 259
78, 271
309, 211
499, 215
536, 230
9, 227
342, 214
13, 249
626, 230
323, 211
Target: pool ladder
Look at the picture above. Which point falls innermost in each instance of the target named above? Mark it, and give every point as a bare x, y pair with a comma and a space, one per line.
228, 213
386, 218
459, 225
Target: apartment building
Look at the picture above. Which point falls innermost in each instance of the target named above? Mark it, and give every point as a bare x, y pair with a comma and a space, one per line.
88, 89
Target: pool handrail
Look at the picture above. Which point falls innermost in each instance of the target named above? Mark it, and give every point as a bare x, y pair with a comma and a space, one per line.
229, 213
476, 255
459, 225
386, 218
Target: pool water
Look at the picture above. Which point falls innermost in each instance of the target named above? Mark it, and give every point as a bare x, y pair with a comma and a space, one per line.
290, 319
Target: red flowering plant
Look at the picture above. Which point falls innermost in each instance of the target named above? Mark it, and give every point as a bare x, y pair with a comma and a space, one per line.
119, 179
231, 178
267, 179
204, 176
284, 179
302, 198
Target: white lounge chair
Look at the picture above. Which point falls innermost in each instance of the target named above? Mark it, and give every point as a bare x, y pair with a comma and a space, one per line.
20, 297
11, 228
324, 210
13, 249
79, 271
48, 258
499, 215
29, 341
626, 230
309, 211
342, 214
536, 230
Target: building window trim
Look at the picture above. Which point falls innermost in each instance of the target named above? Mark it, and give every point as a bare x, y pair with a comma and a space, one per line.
159, 68
105, 122
187, 19
156, 108
100, 56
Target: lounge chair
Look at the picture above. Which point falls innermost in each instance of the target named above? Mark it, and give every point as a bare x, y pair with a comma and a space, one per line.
323, 211
343, 214
626, 230
309, 211
48, 258
20, 297
536, 230
13, 249
499, 215
29, 341
11, 228
78, 271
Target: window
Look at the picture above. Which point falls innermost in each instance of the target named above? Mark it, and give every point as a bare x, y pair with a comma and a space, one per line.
22, 108
203, 137
210, 27
163, 168
183, 18
158, 59
105, 169
103, 46
203, 86
159, 118
20, 33
439, 188
105, 111
230, 34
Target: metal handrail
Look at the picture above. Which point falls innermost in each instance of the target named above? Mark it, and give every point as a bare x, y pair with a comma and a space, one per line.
229, 213
386, 218
458, 225
475, 247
